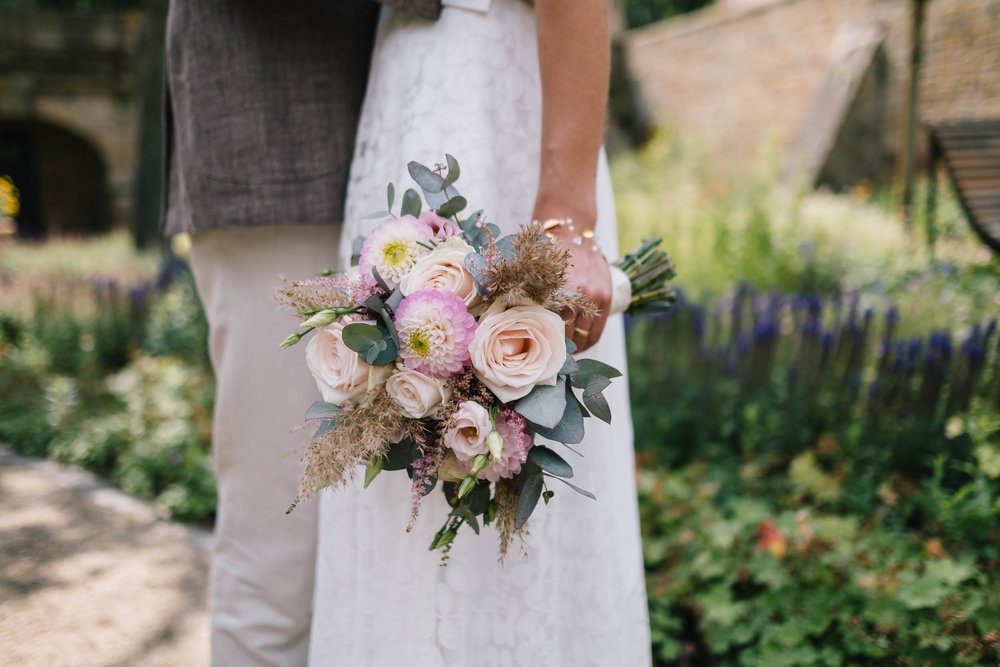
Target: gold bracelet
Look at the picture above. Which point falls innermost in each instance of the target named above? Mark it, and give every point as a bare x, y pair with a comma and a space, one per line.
576, 239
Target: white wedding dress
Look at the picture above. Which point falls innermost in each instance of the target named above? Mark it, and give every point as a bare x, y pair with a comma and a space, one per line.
468, 85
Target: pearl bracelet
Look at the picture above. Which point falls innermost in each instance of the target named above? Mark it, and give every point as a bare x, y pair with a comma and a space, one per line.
567, 223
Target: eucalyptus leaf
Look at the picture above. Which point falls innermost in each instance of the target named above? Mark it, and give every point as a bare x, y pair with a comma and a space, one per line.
531, 491
597, 405
326, 426
381, 283
595, 367
356, 250
452, 207
476, 264
436, 199
544, 405
506, 247
549, 461
394, 299
411, 203
322, 410
453, 170
428, 180
479, 499
387, 352
570, 346
582, 492
401, 454
570, 429
569, 366
375, 305
379, 215
359, 336
390, 195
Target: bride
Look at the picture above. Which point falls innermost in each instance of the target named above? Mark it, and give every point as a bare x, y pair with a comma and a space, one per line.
517, 94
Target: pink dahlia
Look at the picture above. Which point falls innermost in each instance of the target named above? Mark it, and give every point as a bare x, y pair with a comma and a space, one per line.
435, 329
393, 247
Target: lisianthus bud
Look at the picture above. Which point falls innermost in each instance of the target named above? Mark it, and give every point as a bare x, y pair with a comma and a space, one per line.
291, 340
468, 484
494, 442
320, 319
481, 461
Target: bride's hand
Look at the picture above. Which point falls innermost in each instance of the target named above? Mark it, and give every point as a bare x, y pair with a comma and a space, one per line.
588, 274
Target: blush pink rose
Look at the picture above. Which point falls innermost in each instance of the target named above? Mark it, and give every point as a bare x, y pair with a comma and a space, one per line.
443, 269
467, 436
416, 394
340, 374
516, 349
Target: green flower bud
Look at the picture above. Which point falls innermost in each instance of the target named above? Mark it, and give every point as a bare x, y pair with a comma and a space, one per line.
291, 340
495, 444
443, 539
480, 463
468, 484
320, 319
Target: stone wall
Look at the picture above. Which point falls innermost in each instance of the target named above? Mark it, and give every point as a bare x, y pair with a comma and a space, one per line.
739, 73
77, 72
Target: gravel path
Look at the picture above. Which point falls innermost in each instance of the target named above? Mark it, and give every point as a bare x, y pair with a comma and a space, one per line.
90, 577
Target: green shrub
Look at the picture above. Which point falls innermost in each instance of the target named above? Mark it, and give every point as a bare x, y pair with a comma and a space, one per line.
738, 579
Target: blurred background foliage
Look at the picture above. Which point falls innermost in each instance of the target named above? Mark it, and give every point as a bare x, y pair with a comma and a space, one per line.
642, 12
819, 471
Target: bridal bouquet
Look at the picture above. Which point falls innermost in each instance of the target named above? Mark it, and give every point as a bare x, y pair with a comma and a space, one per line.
443, 354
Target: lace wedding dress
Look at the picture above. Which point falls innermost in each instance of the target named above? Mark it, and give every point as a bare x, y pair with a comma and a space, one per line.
468, 84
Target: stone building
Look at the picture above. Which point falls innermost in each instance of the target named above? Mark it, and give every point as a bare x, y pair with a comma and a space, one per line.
826, 80
69, 118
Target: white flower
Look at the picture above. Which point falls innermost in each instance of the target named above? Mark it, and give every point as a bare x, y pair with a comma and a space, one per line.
418, 395
392, 248
444, 269
341, 375
516, 349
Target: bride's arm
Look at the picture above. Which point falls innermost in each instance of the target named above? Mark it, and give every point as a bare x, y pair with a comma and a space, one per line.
574, 58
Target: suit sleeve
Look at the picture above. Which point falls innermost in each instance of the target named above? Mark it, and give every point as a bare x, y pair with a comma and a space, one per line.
429, 9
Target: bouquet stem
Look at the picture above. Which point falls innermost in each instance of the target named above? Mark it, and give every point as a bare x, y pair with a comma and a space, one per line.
639, 280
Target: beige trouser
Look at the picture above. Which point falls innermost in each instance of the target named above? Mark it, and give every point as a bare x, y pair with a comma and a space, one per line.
261, 589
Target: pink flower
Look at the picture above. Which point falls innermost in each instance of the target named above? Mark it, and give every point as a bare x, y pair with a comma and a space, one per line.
392, 248
516, 443
435, 329
516, 349
471, 425
441, 227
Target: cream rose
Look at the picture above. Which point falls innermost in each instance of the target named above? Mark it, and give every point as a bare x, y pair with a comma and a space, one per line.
418, 395
443, 269
515, 349
340, 374
471, 425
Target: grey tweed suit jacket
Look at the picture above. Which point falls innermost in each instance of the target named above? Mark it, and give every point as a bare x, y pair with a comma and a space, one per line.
262, 105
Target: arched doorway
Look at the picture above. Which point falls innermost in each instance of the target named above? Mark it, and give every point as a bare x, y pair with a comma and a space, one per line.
61, 180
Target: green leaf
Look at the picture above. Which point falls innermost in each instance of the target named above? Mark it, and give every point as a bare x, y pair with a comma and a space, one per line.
375, 305
570, 429
531, 491
569, 366
379, 215
453, 170
429, 181
322, 410
549, 461
359, 336
411, 203
594, 367
570, 346
394, 299
390, 196
452, 207
401, 454
582, 492
479, 499
381, 283
597, 404
374, 467
545, 405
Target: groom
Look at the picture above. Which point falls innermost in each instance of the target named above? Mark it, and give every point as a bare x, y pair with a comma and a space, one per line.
263, 100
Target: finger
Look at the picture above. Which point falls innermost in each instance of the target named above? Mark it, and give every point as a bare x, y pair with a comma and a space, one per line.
583, 332
600, 321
